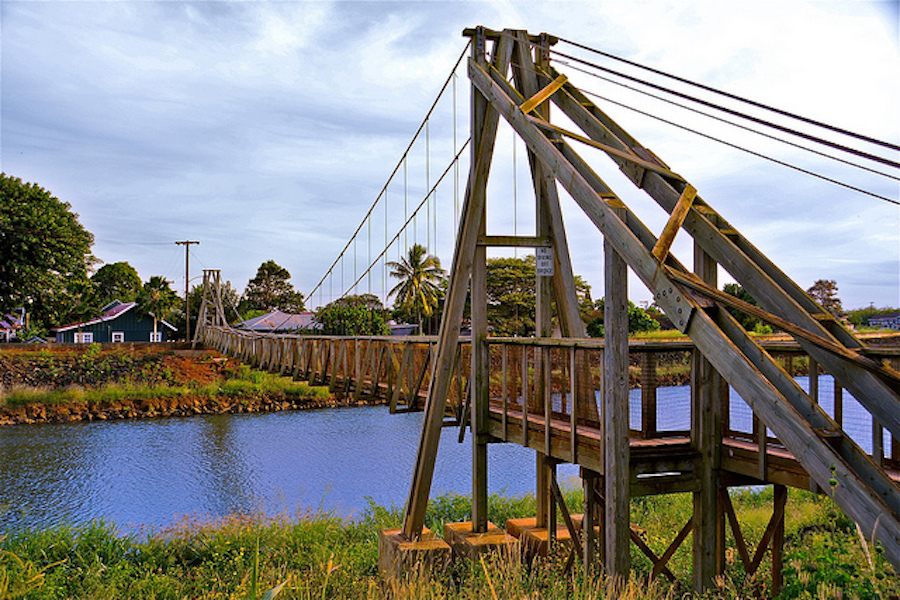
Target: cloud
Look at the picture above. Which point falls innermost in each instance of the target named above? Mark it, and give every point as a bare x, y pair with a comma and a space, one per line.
267, 129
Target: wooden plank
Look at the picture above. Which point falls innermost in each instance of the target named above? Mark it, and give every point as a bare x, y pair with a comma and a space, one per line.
543, 95
514, 241
667, 237
706, 437
648, 394
401, 376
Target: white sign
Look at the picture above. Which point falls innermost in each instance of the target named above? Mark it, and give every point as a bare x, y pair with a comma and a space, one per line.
543, 262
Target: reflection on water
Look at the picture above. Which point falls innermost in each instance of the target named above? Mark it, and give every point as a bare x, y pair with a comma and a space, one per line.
153, 472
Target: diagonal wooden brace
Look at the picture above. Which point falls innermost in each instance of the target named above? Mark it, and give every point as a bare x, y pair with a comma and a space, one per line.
536, 100
679, 213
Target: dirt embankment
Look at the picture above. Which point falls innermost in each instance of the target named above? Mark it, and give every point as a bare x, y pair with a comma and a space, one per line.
56, 385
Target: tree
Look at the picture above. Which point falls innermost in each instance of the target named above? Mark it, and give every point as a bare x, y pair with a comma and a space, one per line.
639, 320
116, 281
511, 296
270, 290
44, 252
353, 315
157, 299
419, 291
824, 291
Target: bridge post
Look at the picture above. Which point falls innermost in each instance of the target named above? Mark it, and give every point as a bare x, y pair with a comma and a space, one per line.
706, 437
616, 521
480, 364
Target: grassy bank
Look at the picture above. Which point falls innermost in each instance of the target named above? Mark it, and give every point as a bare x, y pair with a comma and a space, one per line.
317, 555
88, 383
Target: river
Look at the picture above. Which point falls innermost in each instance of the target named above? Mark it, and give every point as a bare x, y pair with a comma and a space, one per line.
150, 473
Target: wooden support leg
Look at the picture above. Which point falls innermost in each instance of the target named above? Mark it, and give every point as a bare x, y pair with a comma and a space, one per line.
617, 524
706, 437
778, 540
593, 509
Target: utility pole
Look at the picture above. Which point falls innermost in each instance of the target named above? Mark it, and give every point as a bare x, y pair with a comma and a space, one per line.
187, 287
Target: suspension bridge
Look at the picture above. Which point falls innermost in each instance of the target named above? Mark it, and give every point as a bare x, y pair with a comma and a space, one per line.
567, 396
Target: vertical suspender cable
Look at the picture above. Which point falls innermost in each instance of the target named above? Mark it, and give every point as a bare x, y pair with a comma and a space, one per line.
455, 165
369, 259
515, 197
428, 186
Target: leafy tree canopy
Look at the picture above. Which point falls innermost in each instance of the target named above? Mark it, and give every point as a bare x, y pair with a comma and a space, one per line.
824, 291
45, 253
116, 281
511, 296
353, 315
860, 316
270, 290
639, 320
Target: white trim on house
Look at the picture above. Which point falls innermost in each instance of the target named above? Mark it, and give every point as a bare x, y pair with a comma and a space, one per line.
118, 336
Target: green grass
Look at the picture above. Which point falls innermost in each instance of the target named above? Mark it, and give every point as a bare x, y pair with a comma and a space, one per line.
318, 555
242, 382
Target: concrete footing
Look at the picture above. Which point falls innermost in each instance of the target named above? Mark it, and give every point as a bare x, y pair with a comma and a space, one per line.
467, 544
397, 554
534, 539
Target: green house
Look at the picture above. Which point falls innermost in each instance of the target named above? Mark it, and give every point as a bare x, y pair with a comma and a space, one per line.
118, 322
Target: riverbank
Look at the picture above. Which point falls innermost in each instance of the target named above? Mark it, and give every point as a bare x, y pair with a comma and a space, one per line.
317, 555
88, 383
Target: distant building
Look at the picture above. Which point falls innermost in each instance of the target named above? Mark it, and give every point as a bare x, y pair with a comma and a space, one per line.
11, 324
118, 322
279, 322
402, 328
890, 321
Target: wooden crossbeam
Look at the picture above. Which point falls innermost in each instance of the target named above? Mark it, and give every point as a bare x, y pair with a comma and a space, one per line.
574, 535
698, 285
541, 97
649, 553
667, 237
621, 154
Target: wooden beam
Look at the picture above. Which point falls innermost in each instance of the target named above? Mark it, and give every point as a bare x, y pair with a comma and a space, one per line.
617, 521
664, 243
544, 94
514, 241
485, 122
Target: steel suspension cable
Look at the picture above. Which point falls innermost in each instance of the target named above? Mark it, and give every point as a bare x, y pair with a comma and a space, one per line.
413, 216
736, 113
731, 96
743, 149
732, 123
397, 166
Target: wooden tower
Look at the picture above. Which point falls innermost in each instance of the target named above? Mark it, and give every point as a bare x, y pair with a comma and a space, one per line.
724, 352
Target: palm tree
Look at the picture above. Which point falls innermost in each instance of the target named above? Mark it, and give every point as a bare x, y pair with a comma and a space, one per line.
156, 299
420, 276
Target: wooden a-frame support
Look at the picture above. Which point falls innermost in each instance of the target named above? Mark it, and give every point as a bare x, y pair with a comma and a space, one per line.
724, 351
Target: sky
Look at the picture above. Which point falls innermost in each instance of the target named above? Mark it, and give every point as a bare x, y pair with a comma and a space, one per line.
266, 130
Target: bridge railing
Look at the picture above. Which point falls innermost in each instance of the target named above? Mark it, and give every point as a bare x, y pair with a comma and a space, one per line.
532, 378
